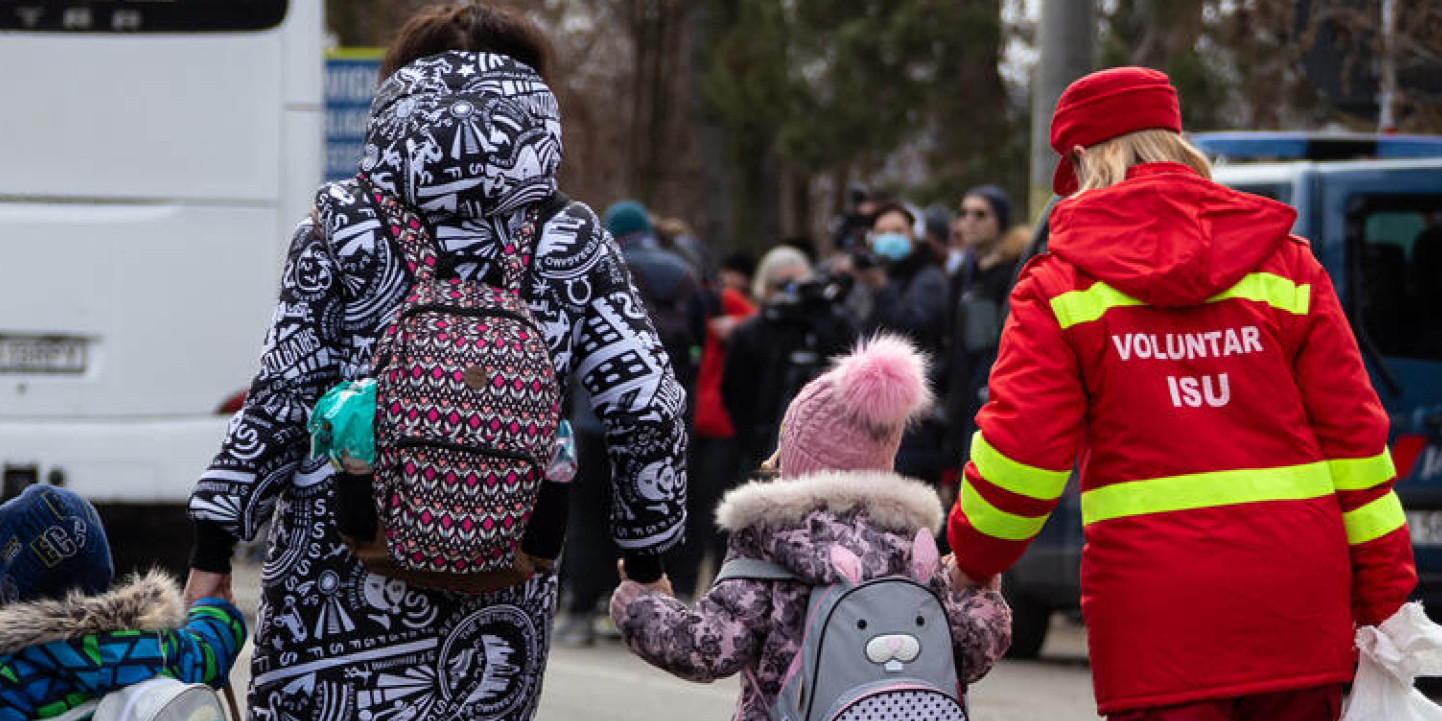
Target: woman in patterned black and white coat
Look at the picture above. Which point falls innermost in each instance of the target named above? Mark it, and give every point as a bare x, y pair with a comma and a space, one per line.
464, 129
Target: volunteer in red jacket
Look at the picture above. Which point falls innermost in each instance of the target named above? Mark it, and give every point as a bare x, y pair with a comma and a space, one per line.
1236, 484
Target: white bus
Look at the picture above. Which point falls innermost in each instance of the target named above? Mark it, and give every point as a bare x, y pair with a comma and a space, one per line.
154, 157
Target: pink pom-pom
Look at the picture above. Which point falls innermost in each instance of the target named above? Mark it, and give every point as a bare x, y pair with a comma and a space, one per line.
883, 381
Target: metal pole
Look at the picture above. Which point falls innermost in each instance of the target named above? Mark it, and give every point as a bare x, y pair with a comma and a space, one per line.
1066, 36
1386, 120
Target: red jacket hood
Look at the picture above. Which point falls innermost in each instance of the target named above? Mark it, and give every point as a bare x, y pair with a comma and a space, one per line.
1167, 236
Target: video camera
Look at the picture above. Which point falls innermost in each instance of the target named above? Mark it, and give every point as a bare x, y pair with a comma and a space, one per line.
808, 300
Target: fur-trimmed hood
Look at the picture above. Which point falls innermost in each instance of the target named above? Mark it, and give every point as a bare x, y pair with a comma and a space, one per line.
151, 601
893, 502
797, 522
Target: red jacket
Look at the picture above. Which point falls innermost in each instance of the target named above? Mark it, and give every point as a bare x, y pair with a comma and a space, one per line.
711, 418
1236, 485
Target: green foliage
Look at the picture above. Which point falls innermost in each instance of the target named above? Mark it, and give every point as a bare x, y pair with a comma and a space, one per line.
1170, 35
830, 85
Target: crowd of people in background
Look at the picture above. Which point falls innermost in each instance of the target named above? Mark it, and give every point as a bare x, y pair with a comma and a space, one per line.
745, 335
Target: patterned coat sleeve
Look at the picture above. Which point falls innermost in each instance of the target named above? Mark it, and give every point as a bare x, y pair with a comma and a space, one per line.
980, 626
205, 648
267, 439
717, 637
623, 366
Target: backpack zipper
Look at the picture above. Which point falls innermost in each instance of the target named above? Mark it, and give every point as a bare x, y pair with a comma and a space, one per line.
472, 312
412, 442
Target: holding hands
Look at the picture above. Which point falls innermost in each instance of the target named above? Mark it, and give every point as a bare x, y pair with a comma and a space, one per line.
960, 581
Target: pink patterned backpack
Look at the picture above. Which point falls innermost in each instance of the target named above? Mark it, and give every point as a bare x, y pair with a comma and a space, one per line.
467, 410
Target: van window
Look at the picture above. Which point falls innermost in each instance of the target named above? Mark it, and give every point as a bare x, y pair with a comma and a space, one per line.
1399, 288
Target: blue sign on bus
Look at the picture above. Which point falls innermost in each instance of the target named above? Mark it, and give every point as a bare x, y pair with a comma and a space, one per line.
350, 84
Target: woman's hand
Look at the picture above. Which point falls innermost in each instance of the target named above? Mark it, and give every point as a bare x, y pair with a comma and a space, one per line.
202, 584
961, 581
661, 585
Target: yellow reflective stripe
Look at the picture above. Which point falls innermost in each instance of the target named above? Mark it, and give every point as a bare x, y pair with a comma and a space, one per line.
1374, 520
1018, 478
1084, 306
1272, 289
993, 521
1206, 490
1359, 474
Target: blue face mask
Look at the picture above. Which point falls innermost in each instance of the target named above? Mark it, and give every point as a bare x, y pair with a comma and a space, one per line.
892, 246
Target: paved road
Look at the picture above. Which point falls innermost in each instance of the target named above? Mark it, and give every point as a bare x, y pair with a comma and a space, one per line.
606, 683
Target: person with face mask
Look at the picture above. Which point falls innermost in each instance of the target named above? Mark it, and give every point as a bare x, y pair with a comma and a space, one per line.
911, 292
910, 286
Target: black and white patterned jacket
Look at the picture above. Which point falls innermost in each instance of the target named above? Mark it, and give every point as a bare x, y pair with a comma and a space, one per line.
473, 140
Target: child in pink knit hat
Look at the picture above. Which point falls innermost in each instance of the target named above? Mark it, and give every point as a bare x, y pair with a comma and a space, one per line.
834, 495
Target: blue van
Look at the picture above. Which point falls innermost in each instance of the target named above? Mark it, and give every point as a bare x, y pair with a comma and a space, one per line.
1372, 207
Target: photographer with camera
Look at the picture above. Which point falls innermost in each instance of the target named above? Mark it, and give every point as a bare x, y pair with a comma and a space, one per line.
848, 230
773, 354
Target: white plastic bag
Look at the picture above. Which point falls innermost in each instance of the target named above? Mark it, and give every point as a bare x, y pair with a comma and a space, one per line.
1400, 649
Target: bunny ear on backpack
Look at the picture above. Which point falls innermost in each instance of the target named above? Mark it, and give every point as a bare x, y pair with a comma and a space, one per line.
847, 564
925, 558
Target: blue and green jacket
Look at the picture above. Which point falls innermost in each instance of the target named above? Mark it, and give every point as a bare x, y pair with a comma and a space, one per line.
56, 655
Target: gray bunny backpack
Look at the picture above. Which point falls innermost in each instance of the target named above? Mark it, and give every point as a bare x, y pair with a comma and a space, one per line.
874, 649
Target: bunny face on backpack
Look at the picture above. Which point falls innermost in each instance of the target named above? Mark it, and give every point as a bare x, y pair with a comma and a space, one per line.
886, 624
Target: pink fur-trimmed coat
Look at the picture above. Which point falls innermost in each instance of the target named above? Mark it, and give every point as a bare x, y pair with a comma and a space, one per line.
754, 626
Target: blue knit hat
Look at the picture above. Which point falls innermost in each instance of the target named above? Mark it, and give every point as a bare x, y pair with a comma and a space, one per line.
51, 541
628, 217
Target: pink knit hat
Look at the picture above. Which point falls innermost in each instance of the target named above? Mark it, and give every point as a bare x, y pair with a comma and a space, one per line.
851, 418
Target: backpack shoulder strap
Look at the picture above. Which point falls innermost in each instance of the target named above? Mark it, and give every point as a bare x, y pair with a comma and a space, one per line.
516, 256
406, 229
753, 568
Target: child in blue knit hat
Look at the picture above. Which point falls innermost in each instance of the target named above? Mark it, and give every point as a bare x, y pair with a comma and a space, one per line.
67, 638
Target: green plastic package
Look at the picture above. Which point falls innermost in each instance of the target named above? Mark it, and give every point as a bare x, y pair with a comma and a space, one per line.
343, 422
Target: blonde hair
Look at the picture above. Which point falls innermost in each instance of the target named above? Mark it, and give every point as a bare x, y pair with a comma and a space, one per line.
775, 260
1105, 164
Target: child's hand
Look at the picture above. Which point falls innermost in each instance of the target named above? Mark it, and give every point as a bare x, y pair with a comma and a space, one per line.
354, 466
661, 585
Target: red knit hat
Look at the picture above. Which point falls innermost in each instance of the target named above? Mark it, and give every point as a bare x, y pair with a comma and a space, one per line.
1105, 104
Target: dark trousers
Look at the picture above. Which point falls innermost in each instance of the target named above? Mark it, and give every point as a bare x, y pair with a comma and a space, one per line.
588, 566
1318, 703
715, 468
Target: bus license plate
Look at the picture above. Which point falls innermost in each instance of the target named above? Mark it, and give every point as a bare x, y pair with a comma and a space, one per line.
1426, 527
41, 354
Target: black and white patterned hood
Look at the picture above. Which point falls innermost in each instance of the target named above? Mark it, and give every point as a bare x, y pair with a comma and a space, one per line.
464, 136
